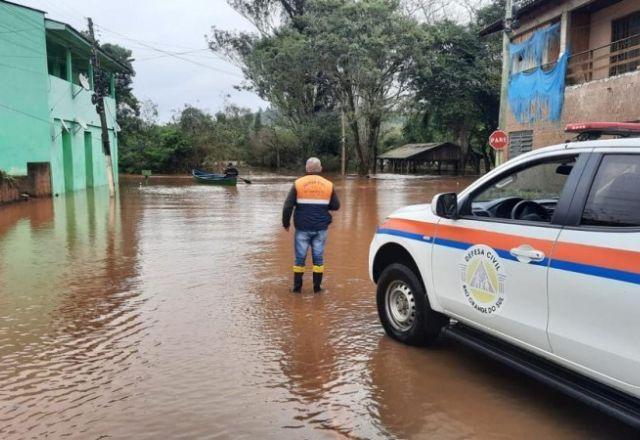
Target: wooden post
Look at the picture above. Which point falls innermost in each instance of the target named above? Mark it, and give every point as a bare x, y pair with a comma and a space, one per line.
91, 77
343, 165
106, 145
506, 67
112, 85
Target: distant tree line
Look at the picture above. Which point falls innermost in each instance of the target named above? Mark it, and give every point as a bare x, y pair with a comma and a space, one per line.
396, 72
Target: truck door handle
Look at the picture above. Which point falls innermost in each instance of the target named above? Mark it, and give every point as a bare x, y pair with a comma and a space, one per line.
527, 254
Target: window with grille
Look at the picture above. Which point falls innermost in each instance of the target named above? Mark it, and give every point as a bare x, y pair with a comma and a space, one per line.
625, 47
520, 142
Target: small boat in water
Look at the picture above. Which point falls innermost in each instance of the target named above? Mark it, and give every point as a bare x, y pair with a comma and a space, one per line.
213, 178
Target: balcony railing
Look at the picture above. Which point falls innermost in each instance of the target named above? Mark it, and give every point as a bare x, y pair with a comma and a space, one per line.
613, 59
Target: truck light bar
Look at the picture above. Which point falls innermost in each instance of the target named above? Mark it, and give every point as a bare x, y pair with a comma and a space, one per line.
593, 130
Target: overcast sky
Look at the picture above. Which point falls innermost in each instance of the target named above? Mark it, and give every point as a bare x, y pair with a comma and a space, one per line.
170, 25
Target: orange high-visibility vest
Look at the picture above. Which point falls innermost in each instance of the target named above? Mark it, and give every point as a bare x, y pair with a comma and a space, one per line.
313, 190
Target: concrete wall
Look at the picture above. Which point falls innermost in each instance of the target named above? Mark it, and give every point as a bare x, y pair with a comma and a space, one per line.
615, 99
33, 104
24, 86
37, 184
39, 179
69, 108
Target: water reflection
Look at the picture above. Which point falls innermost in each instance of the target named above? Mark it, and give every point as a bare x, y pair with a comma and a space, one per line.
69, 303
166, 313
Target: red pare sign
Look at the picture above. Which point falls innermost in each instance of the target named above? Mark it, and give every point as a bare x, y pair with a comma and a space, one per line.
498, 140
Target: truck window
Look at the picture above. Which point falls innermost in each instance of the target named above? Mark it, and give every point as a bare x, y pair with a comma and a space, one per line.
535, 190
614, 199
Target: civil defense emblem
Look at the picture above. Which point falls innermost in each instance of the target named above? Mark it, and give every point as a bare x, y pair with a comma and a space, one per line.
482, 276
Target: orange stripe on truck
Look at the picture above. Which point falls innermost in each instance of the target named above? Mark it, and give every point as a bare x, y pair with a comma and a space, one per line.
598, 256
618, 259
493, 239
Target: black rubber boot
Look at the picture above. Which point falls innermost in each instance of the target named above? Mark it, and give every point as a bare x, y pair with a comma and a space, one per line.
297, 282
317, 282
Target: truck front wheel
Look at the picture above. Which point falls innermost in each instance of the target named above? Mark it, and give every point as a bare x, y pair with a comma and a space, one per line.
404, 308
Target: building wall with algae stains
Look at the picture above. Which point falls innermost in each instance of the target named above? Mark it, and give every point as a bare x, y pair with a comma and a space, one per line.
46, 115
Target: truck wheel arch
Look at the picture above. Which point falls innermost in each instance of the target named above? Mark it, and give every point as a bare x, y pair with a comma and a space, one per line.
394, 253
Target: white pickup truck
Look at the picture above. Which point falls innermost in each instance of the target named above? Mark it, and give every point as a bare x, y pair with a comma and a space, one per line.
537, 263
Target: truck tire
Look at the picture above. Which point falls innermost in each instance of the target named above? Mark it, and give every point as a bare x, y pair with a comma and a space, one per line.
404, 309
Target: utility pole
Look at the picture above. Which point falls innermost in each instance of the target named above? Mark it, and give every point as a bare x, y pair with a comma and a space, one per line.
506, 67
98, 100
344, 144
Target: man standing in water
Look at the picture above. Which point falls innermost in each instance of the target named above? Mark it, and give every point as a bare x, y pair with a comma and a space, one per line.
312, 197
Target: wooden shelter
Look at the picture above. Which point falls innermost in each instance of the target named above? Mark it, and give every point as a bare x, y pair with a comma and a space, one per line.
411, 157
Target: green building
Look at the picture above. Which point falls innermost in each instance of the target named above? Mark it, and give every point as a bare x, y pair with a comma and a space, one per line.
46, 115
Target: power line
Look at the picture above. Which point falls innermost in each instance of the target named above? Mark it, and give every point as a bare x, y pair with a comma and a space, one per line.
25, 113
29, 48
23, 38
172, 54
4, 55
35, 25
148, 42
22, 68
147, 45
57, 6
175, 53
11, 10
15, 31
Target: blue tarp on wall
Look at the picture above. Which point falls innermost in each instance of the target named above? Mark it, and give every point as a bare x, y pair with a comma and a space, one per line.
537, 94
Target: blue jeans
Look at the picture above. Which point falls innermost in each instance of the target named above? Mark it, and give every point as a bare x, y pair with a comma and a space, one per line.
314, 239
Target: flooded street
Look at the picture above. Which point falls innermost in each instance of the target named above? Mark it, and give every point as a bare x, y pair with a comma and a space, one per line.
167, 315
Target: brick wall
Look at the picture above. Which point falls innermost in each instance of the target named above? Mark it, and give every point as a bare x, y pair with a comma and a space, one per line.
615, 99
37, 183
39, 179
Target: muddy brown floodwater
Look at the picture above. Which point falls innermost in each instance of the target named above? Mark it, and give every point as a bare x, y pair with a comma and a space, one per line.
167, 315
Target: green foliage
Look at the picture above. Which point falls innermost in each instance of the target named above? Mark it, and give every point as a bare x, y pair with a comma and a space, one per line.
369, 58
395, 80
192, 139
330, 54
457, 86
127, 102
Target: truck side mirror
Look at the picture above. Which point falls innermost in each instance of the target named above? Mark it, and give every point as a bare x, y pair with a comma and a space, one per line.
445, 205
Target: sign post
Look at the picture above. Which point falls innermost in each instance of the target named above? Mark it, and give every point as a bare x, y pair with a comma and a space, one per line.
499, 140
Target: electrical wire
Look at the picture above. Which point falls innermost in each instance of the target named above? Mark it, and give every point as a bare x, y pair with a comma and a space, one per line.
25, 113
59, 5
175, 53
33, 24
15, 31
146, 45
23, 38
172, 54
22, 68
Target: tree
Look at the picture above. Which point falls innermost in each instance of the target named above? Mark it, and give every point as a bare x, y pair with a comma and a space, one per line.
283, 70
354, 54
456, 82
124, 80
365, 50
265, 14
